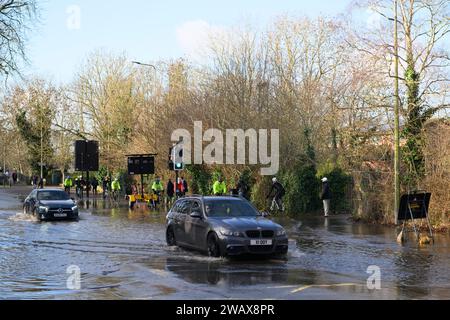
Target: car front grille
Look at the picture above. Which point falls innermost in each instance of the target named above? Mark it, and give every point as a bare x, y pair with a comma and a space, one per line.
53, 211
253, 233
259, 234
267, 233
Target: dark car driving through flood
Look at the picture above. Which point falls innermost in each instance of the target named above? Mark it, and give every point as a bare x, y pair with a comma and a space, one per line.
50, 204
224, 226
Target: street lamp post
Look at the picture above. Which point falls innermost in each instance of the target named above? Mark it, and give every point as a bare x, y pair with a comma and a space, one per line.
154, 68
42, 155
396, 120
143, 64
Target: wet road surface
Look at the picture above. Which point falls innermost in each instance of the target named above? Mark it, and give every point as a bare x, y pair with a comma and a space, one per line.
122, 255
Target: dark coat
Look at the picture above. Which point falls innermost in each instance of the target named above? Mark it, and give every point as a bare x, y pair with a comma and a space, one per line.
170, 189
326, 192
279, 190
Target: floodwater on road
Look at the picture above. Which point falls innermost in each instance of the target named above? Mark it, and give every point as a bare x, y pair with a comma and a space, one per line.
122, 254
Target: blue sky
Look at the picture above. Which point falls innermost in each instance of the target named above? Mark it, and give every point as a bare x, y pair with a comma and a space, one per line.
145, 30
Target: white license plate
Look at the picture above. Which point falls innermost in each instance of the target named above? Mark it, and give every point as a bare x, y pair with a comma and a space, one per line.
261, 242
60, 215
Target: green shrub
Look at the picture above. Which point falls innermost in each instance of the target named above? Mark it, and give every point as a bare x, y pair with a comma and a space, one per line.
302, 188
201, 179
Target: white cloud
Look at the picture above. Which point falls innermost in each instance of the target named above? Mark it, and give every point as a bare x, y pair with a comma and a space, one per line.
193, 36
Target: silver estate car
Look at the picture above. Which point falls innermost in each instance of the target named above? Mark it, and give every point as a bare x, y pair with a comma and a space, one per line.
224, 226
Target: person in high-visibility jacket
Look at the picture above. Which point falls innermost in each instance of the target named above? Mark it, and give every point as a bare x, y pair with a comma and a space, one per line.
115, 187
219, 187
68, 183
157, 186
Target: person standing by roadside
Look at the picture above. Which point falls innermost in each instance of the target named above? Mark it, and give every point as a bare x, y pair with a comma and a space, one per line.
179, 188
219, 187
242, 189
185, 186
170, 190
157, 189
35, 181
41, 183
8, 178
79, 187
68, 183
94, 183
326, 196
115, 188
105, 186
14, 177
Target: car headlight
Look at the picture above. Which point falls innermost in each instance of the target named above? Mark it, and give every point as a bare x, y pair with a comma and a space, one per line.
230, 233
43, 209
281, 232
74, 208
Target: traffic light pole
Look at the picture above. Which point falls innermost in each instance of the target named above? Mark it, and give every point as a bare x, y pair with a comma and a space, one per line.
174, 159
176, 184
87, 171
396, 123
142, 186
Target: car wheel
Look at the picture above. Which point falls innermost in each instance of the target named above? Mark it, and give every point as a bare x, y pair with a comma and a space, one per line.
35, 214
170, 238
213, 245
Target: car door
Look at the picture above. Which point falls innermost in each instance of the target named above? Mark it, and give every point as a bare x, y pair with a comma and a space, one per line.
30, 202
196, 228
182, 210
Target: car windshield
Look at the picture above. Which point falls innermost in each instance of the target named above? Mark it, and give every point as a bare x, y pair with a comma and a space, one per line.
52, 195
229, 208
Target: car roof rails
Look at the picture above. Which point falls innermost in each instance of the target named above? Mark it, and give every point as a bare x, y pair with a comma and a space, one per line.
196, 195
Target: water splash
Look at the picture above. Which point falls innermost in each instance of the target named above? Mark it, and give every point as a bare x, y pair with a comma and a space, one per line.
23, 217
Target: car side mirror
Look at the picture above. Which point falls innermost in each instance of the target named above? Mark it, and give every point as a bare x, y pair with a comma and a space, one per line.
264, 214
196, 214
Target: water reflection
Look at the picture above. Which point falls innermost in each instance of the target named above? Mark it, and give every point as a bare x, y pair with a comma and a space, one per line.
233, 273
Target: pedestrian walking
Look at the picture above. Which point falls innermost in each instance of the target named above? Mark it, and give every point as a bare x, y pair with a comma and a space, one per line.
277, 200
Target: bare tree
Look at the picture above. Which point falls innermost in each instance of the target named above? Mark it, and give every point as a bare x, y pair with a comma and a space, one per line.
16, 17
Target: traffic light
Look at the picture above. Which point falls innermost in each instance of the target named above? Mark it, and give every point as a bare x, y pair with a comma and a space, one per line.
177, 157
179, 166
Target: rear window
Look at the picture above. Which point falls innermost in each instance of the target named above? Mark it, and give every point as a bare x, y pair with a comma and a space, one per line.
52, 195
229, 208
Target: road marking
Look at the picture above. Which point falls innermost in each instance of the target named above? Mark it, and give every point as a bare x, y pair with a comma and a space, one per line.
325, 286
